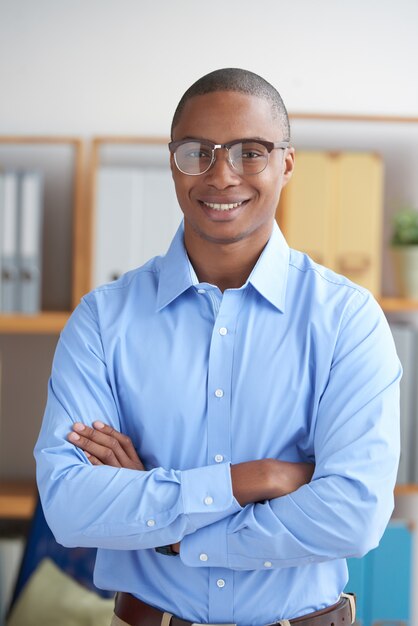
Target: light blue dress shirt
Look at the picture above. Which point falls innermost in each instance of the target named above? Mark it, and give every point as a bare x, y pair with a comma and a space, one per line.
298, 364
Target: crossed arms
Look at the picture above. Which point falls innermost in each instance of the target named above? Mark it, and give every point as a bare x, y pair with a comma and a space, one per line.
263, 509
252, 481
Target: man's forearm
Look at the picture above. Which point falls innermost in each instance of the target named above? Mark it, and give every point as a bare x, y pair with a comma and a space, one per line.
256, 481
252, 481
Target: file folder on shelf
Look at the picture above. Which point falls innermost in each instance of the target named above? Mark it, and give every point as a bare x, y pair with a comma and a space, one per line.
30, 237
405, 338
1, 227
137, 215
8, 244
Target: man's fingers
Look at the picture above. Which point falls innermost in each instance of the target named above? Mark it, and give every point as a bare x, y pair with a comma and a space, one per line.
93, 460
101, 453
124, 441
110, 450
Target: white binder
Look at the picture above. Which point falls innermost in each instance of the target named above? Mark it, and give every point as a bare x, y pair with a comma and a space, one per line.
405, 341
161, 214
1, 229
8, 244
30, 238
137, 215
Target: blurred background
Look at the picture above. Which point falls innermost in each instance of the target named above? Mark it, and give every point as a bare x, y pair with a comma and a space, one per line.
88, 90
104, 67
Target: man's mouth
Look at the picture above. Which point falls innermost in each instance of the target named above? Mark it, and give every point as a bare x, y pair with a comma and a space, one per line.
222, 206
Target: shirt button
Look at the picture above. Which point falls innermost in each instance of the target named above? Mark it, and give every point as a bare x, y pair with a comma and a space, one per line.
220, 583
151, 523
208, 500
219, 458
203, 557
201, 291
219, 393
223, 330
268, 564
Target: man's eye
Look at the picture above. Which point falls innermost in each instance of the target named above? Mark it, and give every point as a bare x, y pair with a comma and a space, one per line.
251, 154
198, 154
252, 151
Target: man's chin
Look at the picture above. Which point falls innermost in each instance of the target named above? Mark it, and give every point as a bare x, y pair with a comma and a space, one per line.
220, 238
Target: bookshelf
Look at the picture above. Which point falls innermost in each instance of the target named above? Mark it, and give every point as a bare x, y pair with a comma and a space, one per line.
394, 138
125, 152
61, 160
52, 156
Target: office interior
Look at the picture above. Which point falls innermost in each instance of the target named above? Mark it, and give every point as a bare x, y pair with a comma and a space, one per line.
76, 75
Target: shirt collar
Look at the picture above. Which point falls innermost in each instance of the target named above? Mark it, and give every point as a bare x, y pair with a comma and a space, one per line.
175, 276
268, 277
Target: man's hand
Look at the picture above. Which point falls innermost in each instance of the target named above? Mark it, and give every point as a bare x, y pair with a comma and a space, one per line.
103, 445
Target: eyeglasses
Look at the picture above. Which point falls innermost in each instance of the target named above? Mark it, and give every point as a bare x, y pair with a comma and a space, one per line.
246, 156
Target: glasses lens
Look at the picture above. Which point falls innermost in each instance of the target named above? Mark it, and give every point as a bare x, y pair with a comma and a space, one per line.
249, 157
193, 157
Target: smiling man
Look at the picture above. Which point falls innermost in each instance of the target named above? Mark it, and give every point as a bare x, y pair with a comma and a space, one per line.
251, 399
228, 192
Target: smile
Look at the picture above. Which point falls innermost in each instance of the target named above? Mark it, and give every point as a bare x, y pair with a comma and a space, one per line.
222, 207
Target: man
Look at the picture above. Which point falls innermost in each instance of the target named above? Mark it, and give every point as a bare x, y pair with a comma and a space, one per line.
256, 393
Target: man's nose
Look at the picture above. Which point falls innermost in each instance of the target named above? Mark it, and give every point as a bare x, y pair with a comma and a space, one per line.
222, 174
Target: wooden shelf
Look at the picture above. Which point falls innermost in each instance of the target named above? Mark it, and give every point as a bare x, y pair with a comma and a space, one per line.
46, 323
406, 490
393, 305
17, 499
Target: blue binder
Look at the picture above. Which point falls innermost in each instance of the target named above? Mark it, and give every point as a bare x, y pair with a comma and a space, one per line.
382, 579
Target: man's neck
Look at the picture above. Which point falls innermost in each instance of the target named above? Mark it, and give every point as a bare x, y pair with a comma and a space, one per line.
228, 265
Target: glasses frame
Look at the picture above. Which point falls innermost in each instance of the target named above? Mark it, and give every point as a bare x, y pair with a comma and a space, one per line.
269, 145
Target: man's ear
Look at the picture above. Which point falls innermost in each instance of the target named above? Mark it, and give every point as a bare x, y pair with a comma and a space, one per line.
288, 165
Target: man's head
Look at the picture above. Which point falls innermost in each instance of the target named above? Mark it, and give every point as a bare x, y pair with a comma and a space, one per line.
241, 81
227, 186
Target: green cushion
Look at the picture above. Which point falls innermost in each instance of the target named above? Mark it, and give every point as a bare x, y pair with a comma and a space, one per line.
51, 598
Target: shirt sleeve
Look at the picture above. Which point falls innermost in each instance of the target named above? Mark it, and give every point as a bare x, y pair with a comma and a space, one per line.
344, 510
102, 506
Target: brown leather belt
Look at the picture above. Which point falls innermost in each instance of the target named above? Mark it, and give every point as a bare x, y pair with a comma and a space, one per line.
136, 613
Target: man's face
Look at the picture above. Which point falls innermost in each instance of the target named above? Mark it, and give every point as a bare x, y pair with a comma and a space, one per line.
221, 117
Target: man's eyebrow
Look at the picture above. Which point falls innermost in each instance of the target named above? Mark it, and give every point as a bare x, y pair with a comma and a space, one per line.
192, 138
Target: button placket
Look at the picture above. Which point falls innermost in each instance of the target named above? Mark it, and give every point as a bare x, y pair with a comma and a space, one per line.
220, 377
221, 596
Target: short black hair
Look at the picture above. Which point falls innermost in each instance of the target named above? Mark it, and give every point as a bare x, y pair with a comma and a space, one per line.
243, 81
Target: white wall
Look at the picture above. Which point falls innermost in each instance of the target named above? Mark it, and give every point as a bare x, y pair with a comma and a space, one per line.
119, 66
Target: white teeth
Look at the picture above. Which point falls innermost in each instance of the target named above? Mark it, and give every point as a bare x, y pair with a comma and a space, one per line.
222, 207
